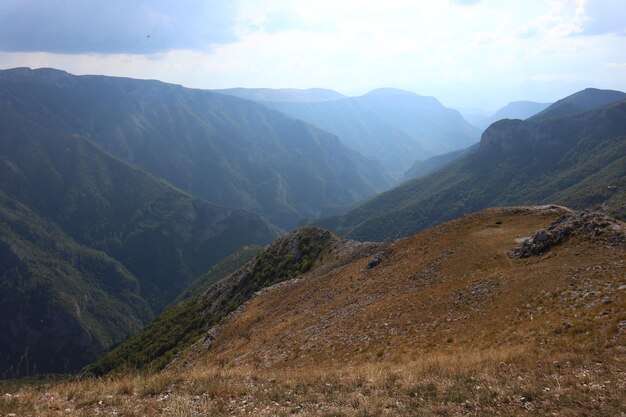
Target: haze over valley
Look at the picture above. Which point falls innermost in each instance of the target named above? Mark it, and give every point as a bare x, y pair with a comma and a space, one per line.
243, 208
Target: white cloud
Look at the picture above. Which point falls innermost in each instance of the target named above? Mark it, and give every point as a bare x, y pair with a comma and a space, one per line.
430, 47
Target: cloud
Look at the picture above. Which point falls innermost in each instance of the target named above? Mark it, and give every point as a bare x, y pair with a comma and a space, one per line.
464, 2
288, 20
605, 17
615, 64
114, 26
528, 32
465, 55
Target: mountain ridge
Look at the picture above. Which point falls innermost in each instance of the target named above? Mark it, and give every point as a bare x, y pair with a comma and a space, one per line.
426, 263
227, 150
554, 154
184, 322
500, 312
282, 94
121, 243
523, 109
581, 101
396, 127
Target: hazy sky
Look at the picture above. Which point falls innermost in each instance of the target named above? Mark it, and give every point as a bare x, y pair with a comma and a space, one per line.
471, 53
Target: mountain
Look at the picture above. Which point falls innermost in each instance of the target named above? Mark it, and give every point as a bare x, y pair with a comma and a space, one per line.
396, 127
282, 94
473, 115
514, 110
93, 247
438, 128
416, 293
579, 160
218, 271
510, 311
581, 101
183, 323
62, 304
226, 150
422, 168
361, 129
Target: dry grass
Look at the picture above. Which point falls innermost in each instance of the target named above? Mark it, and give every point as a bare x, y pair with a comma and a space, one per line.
508, 381
446, 325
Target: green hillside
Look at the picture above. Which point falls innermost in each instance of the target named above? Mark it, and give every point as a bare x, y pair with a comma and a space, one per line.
94, 247
62, 304
581, 101
394, 126
577, 160
221, 269
223, 149
187, 321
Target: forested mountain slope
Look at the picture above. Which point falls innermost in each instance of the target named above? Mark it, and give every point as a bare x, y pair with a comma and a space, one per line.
223, 149
579, 160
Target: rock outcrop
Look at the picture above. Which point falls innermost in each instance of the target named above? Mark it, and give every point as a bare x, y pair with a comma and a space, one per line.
592, 224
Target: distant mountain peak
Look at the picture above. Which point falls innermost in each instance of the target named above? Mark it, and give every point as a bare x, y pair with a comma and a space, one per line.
395, 94
289, 95
27, 71
594, 94
389, 91
523, 102
581, 101
575, 160
522, 109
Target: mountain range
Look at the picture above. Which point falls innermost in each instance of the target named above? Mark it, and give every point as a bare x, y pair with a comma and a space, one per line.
513, 110
283, 94
94, 247
397, 127
499, 311
223, 149
95, 241
134, 213
576, 160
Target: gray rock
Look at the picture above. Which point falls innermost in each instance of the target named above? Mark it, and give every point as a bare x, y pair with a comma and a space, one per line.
576, 223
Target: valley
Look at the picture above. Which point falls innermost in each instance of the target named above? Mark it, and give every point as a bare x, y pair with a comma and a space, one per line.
512, 311
162, 252
316, 209
576, 160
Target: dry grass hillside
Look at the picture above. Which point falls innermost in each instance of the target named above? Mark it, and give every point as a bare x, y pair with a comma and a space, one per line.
506, 312
454, 287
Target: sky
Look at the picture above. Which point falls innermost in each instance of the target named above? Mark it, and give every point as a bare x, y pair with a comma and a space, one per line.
467, 53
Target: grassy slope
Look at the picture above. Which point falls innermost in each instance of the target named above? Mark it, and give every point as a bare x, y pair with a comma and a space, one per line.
223, 268
186, 321
447, 324
525, 162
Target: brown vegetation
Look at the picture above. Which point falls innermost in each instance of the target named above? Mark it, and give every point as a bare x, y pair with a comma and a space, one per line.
446, 323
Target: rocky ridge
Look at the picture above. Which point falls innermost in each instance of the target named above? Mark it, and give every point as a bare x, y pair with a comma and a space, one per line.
574, 223
453, 286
